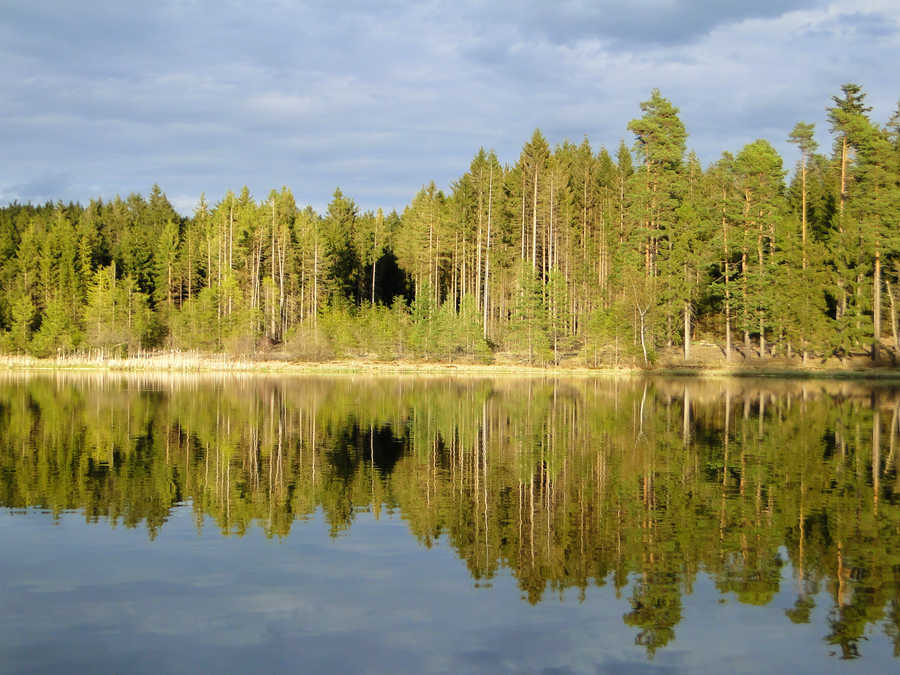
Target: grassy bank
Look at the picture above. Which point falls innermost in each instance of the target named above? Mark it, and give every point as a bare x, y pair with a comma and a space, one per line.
212, 363
196, 362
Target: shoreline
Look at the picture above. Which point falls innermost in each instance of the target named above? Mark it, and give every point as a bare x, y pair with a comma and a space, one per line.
195, 363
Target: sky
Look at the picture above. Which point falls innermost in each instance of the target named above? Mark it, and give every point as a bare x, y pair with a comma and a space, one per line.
105, 97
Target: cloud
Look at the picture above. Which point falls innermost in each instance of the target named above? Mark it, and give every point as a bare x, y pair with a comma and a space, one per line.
203, 97
40, 189
666, 22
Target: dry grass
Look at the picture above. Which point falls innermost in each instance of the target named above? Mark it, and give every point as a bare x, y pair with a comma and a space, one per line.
164, 361
198, 362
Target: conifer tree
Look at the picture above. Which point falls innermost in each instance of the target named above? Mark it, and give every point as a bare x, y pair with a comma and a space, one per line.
761, 179
660, 145
848, 120
802, 137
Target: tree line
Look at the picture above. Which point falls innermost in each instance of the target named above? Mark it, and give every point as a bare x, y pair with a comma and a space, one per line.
567, 253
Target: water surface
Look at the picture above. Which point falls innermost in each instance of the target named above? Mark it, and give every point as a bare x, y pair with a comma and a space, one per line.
435, 525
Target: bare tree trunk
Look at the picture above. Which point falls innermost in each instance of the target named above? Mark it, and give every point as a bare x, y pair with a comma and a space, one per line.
551, 247
487, 252
315, 298
803, 210
282, 314
230, 250
727, 290
272, 276
762, 315
190, 265
231, 235
643, 343
431, 246
746, 301
843, 181
478, 240
803, 262
893, 315
463, 277
523, 214
534, 224
374, 258
221, 255
876, 306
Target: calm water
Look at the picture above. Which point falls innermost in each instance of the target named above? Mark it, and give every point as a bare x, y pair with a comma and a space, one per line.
407, 525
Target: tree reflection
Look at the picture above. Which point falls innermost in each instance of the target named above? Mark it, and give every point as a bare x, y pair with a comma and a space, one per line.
565, 484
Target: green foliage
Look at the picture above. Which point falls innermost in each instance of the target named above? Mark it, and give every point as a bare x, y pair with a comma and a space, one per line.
58, 333
528, 333
18, 338
611, 338
458, 332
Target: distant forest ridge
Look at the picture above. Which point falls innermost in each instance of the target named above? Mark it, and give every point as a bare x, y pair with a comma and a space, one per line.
567, 255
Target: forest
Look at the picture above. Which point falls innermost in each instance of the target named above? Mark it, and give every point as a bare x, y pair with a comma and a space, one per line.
568, 255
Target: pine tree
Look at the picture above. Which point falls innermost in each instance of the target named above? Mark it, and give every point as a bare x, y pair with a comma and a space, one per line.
23, 311
875, 209
848, 120
802, 137
689, 254
660, 145
533, 161
760, 176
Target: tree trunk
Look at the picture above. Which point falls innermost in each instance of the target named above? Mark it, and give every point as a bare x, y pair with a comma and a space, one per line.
762, 335
282, 310
230, 236
746, 302
803, 212
643, 343
550, 244
374, 260
843, 183
893, 316
315, 298
272, 324
804, 281
876, 306
487, 252
478, 237
762, 315
727, 290
523, 215
534, 224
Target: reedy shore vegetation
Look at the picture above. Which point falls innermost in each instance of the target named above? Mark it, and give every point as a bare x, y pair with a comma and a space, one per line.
566, 255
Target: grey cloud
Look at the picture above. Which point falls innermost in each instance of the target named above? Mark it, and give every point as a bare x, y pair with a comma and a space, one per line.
42, 188
640, 21
874, 25
202, 97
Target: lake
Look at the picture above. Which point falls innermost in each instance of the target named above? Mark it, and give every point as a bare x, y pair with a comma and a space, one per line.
400, 524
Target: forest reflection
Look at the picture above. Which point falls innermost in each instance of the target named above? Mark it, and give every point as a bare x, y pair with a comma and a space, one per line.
642, 484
